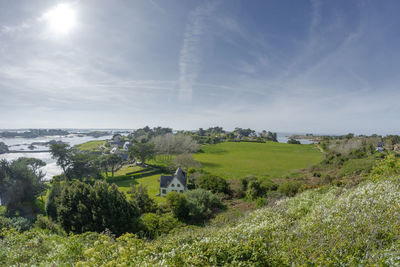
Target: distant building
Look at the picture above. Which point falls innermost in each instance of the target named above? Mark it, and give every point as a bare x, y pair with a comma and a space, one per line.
117, 138
380, 146
176, 182
114, 150
126, 146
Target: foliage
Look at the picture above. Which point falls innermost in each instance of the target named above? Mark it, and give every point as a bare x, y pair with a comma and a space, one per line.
174, 144
112, 161
141, 199
20, 184
201, 204
289, 188
82, 208
178, 204
62, 153
293, 141
329, 226
388, 167
48, 224
213, 183
83, 166
18, 223
186, 161
157, 224
142, 151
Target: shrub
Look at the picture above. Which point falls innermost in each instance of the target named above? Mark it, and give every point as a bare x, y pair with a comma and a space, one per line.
254, 190
260, 202
289, 188
202, 204
48, 224
214, 183
157, 224
5, 223
178, 204
141, 199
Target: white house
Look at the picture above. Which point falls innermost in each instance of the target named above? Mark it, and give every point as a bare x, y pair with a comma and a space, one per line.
176, 182
126, 146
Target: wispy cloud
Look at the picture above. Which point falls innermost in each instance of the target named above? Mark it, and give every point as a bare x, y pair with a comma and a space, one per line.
190, 54
16, 28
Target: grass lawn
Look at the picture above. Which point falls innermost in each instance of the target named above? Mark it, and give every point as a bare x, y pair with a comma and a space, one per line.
125, 177
90, 146
236, 160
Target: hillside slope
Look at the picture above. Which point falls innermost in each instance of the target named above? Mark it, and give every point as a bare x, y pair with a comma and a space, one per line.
324, 226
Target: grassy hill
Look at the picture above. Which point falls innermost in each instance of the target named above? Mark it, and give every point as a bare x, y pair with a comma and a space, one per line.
329, 226
236, 160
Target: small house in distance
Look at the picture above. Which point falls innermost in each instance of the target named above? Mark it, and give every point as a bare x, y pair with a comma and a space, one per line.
176, 182
380, 147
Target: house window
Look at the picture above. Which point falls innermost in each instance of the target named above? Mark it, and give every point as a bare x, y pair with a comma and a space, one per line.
172, 185
181, 191
178, 185
164, 191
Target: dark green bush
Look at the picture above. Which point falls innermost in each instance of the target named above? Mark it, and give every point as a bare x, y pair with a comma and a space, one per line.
154, 225
289, 188
214, 183
48, 224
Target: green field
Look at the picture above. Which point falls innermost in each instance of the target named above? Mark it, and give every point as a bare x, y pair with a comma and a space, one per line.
228, 160
127, 176
90, 146
236, 160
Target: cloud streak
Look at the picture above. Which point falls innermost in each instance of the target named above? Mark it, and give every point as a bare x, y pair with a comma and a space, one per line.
190, 54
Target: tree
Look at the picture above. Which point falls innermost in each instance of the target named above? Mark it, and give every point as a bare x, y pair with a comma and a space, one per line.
82, 207
270, 136
52, 200
178, 204
142, 151
103, 163
293, 141
83, 166
61, 152
114, 161
20, 186
185, 161
33, 164
171, 144
142, 200
3, 148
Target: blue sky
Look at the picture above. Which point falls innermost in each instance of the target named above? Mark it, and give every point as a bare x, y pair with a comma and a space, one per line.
287, 66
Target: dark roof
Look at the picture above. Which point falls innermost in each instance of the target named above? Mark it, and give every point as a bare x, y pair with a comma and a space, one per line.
165, 180
179, 174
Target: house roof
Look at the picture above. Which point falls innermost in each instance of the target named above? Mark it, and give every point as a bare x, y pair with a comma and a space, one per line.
179, 174
165, 180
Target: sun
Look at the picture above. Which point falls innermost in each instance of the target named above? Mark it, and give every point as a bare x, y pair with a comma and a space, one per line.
61, 19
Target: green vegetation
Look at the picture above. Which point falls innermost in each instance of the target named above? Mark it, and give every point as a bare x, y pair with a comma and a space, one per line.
328, 204
328, 226
148, 177
237, 160
90, 146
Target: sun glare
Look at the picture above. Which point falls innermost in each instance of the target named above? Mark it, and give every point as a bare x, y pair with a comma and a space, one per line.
61, 19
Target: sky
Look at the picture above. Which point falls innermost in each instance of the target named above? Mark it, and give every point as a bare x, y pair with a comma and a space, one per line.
287, 66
